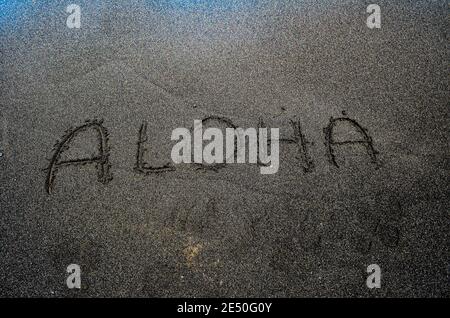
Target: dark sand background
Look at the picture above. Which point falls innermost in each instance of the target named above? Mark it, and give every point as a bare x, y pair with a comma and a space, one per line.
233, 232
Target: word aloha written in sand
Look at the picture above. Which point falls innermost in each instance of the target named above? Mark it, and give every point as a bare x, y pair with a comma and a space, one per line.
298, 139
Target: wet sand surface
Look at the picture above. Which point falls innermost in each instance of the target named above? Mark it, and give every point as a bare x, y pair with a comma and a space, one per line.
309, 230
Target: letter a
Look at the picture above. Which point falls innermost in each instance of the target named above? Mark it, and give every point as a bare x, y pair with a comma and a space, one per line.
74, 19
181, 151
101, 160
366, 140
374, 20
74, 279
374, 279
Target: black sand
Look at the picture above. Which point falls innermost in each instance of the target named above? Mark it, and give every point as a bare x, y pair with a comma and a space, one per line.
230, 232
